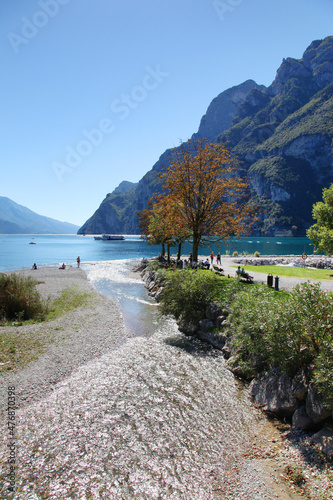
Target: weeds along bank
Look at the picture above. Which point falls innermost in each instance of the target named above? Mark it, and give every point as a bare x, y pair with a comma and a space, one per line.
280, 343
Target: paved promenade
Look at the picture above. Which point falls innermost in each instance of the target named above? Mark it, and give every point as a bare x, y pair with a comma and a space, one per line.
285, 283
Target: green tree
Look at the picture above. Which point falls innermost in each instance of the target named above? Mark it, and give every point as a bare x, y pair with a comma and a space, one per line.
321, 233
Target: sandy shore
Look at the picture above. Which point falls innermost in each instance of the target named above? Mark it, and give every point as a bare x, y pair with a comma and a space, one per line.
79, 336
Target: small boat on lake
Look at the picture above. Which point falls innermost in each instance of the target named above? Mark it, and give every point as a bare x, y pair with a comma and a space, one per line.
110, 237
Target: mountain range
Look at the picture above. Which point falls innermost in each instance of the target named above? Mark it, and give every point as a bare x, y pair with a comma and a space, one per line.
282, 135
17, 219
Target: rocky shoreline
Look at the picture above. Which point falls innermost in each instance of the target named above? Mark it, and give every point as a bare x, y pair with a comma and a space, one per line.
275, 393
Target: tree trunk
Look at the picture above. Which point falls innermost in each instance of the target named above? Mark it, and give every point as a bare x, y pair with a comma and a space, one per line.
168, 254
195, 248
163, 249
179, 251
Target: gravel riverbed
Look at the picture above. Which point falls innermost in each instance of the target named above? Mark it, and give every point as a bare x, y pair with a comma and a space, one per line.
265, 469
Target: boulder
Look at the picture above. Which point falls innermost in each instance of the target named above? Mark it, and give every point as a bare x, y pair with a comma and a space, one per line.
187, 327
221, 321
324, 440
299, 386
213, 311
206, 325
301, 420
315, 406
212, 338
272, 391
159, 293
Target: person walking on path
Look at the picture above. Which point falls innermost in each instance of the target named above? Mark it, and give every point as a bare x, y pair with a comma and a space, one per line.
218, 259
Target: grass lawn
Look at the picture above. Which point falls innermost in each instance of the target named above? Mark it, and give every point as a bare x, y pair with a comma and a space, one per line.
293, 272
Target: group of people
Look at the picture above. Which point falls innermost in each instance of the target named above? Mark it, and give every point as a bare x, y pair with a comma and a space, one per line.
192, 264
218, 258
63, 266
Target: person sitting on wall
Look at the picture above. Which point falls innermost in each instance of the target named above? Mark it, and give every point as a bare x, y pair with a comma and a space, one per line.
63, 266
206, 264
34, 266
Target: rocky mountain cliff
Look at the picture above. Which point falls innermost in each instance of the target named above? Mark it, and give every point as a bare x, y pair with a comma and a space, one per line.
283, 134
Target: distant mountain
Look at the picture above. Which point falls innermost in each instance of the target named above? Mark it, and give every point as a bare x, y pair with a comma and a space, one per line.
17, 219
282, 134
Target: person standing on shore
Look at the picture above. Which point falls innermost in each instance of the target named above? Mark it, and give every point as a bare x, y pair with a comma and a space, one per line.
78, 260
212, 257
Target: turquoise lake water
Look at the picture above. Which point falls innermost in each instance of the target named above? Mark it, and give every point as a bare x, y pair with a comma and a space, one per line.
16, 252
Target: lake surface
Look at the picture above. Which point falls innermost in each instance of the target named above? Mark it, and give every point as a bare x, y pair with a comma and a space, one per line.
16, 252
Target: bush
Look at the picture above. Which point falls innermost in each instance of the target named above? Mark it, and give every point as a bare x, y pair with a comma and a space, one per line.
257, 254
187, 293
19, 299
323, 373
235, 253
287, 332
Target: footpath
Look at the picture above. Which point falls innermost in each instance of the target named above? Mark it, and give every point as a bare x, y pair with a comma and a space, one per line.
230, 264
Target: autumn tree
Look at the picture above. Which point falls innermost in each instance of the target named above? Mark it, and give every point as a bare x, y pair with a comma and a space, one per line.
160, 225
321, 233
206, 192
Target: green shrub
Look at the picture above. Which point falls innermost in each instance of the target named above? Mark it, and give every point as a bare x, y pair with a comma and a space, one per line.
257, 254
187, 293
235, 253
323, 372
19, 298
286, 332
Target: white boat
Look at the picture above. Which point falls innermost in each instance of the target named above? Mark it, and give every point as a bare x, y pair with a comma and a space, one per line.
110, 237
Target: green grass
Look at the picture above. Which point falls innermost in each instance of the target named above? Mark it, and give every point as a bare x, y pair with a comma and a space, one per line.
19, 345
69, 299
293, 272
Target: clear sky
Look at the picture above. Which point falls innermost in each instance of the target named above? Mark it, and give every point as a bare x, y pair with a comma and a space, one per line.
94, 91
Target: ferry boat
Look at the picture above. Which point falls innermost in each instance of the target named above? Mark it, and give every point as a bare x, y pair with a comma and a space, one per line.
110, 237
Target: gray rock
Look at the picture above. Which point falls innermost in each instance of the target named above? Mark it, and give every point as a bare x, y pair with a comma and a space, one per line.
299, 386
220, 320
324, 440
212, 338
272, 391
187, 327
159, 294
315, 406
301, 420
206, 325
213, 311
227, 351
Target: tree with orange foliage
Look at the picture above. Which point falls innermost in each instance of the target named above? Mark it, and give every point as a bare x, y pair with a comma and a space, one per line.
207, 194
160, 225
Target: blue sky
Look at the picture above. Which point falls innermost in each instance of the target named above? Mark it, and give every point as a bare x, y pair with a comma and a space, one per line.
94, 91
